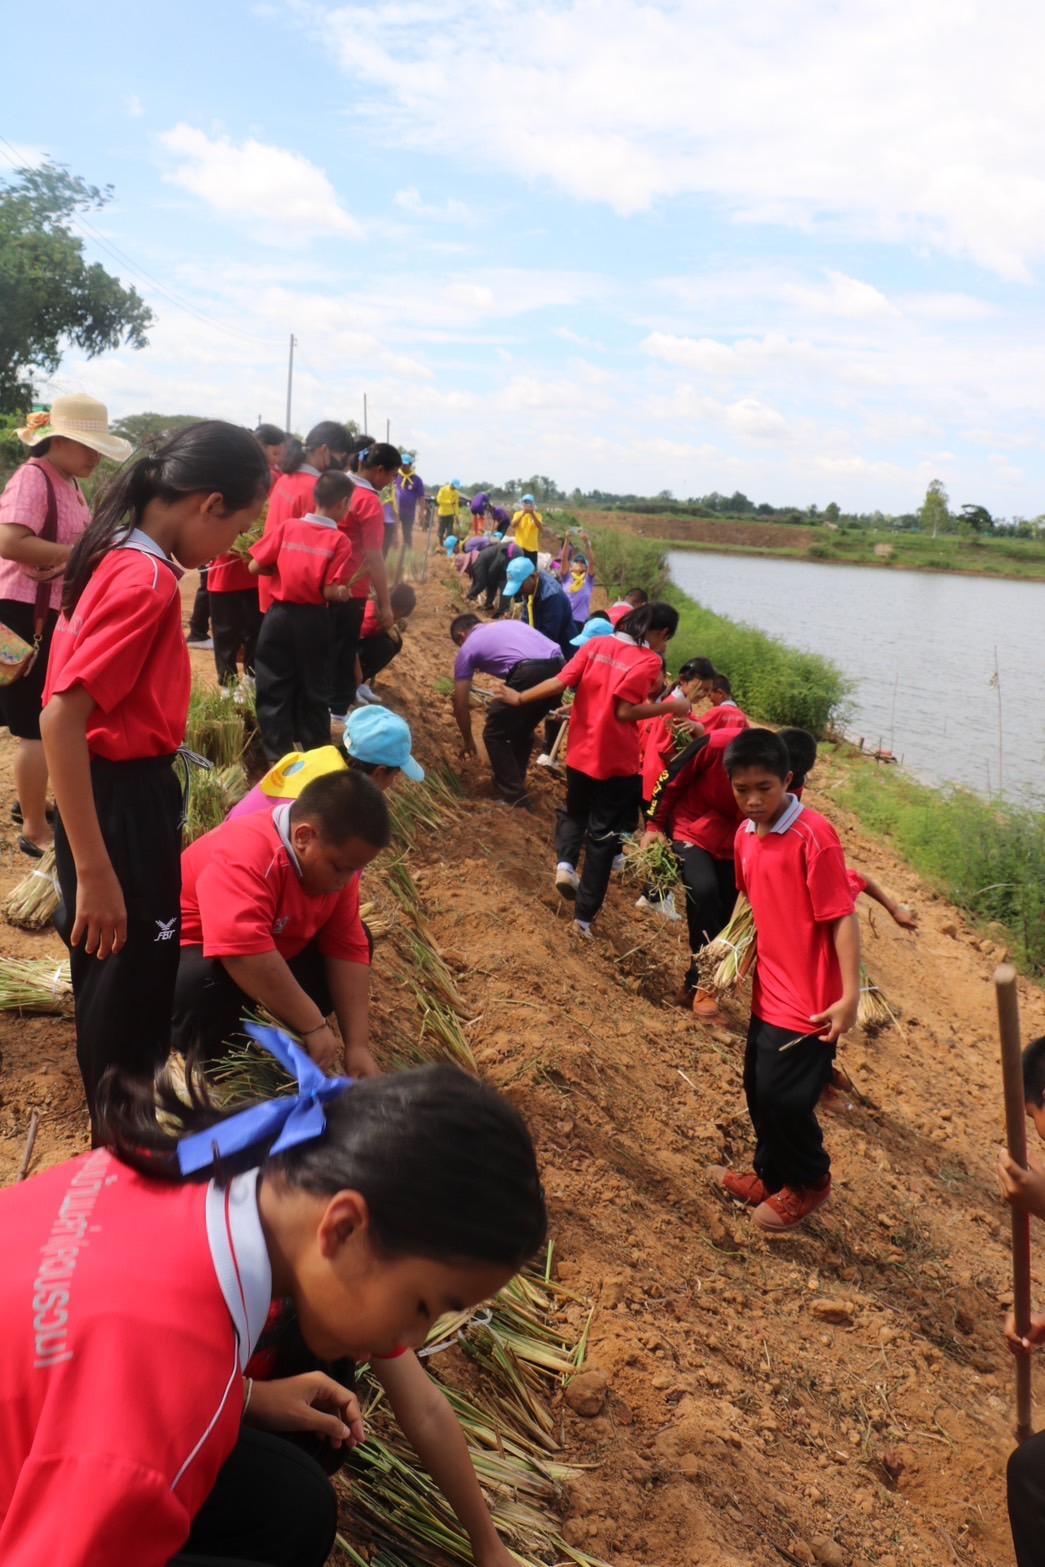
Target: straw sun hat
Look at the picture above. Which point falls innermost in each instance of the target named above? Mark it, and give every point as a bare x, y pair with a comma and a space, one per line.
78, 418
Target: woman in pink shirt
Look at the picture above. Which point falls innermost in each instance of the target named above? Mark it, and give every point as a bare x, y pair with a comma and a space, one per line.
42, 514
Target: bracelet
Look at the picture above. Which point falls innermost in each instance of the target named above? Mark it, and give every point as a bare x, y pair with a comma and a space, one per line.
305, 1032
250, 1390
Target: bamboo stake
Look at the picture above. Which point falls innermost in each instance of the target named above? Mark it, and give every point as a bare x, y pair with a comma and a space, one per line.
560, 739
1016, 1138
30, 1144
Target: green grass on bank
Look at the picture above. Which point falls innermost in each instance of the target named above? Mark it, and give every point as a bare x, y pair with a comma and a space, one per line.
1003, 557
770, 680
987, 859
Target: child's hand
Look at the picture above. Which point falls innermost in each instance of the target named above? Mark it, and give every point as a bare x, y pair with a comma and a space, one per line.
302, 1404
509, 696
324, 1047
836, 1020
358, 1062
1034, 1339
1022, 1189
496, 1554
101, 913
903, 916
678, 706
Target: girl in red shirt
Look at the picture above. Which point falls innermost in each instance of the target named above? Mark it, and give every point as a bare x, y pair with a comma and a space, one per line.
141, 1435
613, 677
115, 706
373, 467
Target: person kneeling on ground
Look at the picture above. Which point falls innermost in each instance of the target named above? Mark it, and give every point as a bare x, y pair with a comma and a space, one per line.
1024, 1189
613, 677
378, 647
270, 917
376, 742
522, 658
790, 864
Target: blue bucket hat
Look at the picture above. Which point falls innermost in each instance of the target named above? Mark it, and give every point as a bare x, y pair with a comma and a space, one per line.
530, 499
450, 543
406, 461
375, 735
593, 628
520, 570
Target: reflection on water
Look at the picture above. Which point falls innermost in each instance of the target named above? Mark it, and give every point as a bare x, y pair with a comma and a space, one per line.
920, 649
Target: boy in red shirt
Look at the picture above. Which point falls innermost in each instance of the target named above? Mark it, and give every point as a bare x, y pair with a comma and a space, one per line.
309, 560
723, 712
373, 468
790, 864
377, 647
270, 917
613, 677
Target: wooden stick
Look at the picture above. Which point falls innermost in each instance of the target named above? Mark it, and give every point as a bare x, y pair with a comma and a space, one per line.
560, 739
1016, 1139
30, 1144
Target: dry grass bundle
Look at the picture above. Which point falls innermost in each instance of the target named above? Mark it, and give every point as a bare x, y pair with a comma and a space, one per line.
220, 722
38, 985
441, 1038
730, 957
32, 903
653, 866
241, 544
873, 1010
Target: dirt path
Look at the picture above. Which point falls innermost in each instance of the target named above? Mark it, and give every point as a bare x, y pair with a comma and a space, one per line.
841, 1395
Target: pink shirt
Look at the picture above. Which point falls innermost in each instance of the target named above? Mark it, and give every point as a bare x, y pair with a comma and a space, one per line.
24, 504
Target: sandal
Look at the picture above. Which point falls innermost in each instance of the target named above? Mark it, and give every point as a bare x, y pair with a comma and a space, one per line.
33, 850
18, 818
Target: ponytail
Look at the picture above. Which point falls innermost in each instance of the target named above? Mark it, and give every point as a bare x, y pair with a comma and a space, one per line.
380, 455
638, 623
445, 1163
208, 457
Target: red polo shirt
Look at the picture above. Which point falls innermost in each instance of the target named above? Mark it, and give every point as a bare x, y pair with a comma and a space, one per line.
230, 574
309, 554
795, 878
727, 715
292, 495
241, 894
607, 670
371, 621
364, 527
125, 645
699, 806
121, 1361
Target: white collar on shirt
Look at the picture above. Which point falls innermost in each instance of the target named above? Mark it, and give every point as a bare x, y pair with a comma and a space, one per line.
281, 817
321, 522
306, 467
364, 484
622, 636
240, 1257
135, 539
792, 811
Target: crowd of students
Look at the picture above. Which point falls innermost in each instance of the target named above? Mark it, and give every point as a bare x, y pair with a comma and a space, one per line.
336, 1224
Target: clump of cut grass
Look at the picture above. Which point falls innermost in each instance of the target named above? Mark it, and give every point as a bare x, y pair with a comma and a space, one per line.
731, 956
217, 726
32, 904
653, 866
36, 985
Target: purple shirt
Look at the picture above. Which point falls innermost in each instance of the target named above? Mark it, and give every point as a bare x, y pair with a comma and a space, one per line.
497, 646
409, 490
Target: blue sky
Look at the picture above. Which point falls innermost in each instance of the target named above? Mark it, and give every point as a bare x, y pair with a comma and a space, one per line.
789, 248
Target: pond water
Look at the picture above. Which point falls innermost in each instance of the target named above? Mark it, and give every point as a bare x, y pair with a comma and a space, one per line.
921, 649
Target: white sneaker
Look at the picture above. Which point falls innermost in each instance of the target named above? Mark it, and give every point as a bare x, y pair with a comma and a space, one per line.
619, 863
664, 908
544, 760
582, 928
566, 880
364, 694
202, 644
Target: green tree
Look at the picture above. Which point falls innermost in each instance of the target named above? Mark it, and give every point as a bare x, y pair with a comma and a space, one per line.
49, 295
831, 512
935, 514
144, 429
976, 519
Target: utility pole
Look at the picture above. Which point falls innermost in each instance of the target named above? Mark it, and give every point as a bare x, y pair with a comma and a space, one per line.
290, 377
364, 429
388, 429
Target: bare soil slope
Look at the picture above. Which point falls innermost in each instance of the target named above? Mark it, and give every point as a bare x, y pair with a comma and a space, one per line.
839, 1396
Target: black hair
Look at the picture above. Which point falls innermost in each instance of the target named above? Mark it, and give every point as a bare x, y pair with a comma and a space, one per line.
1034, 1072
41, 448
445, 1163
801, 752
344, 805
403, 600
210, 457
270, 435
333, 487
356, 445
637, 598
380, 455
697, 669
328, 432
721, 683
462, 623
638, 623
361, 766
758, 748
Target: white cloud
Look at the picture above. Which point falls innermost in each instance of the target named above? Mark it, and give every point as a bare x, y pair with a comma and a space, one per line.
278, 191
879, 121
449, 211
578, 340
133, 106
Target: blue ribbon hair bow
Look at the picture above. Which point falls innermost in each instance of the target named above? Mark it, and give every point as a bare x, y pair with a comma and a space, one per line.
291, 1119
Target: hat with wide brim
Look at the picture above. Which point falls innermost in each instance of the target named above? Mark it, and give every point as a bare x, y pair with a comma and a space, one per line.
78, 418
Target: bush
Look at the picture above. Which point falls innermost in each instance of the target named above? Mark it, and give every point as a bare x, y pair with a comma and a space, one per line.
770, 680
988, 859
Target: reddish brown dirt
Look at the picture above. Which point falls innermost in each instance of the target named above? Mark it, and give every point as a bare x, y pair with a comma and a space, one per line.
743, 1427
696, 530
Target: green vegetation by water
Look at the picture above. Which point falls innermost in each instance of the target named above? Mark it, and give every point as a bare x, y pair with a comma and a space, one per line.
995, 557
987, 859
770, 680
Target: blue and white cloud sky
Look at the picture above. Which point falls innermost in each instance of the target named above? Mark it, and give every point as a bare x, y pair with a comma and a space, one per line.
790, 247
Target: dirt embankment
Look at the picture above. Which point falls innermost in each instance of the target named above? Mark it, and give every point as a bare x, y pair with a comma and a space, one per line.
727, 534
841, 1395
